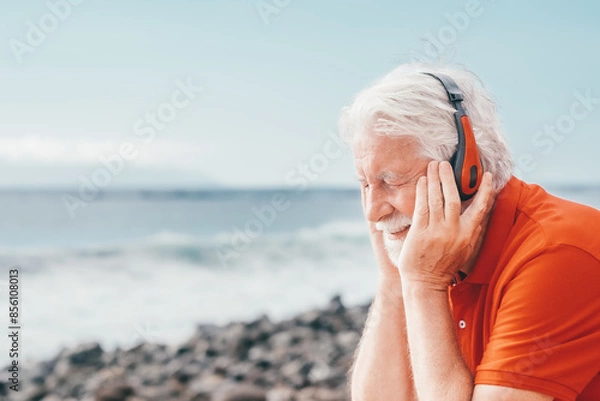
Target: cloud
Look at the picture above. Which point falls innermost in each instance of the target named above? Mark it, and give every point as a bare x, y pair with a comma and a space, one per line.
38, 150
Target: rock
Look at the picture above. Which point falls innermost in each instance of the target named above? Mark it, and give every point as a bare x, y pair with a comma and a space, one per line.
303, 358
263, 327
261, 357
115, 392
208, 331
201, 389
184, 349
211, 352
32, 393
336, 306
71, 381
105, 377
221, 365
243, 371
200, 394
51, 398
319, 372
347, 340
187, 373
40, 371
321, 394
356, 317
281, 394
293, 336
151, 393
296, 372
311, 318
89, 354
174, 387
150, 375
328, 321
241, 393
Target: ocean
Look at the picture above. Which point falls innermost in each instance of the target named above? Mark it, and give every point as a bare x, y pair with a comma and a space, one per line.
135, 266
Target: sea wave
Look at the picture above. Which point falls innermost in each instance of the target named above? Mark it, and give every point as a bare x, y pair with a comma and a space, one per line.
330, 240
158, 288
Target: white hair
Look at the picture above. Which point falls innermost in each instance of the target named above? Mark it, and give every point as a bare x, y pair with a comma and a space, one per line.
406, 102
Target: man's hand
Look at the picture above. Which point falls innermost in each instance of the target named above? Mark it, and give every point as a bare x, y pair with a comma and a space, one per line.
441, 240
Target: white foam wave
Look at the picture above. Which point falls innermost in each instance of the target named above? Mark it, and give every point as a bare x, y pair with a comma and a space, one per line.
158, 289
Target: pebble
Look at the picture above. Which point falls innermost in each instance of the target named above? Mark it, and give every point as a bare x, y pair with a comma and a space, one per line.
300, 359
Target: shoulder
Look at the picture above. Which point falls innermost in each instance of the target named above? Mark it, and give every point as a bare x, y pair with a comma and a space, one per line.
546, 223
544, 310
550, 265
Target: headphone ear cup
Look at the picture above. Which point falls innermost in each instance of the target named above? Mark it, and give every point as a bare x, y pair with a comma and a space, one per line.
468, 161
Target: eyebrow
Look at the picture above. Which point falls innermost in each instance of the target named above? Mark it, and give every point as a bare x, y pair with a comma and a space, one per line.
388, 175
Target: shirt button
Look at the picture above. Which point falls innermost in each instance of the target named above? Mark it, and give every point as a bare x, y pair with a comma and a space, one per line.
462, 324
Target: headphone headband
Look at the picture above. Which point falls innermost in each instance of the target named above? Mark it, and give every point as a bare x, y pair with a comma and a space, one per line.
455, 95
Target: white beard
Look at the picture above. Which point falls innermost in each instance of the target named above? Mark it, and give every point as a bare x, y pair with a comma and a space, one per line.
393, 248
393, 224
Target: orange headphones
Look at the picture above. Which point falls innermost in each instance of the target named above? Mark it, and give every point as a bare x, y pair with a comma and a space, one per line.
465, 161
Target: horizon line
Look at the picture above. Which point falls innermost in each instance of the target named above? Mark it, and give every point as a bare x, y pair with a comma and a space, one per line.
232, 188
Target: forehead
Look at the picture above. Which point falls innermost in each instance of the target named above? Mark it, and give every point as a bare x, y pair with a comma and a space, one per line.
379, 153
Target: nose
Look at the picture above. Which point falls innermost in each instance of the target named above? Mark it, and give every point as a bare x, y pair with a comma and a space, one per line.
376, 205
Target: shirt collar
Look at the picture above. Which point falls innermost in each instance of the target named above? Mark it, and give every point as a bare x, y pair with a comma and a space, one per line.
501, 222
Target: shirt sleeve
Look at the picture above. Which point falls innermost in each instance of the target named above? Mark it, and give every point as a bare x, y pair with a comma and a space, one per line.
546, 335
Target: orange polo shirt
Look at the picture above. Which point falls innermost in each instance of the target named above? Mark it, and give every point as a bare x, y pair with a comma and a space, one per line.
528, 315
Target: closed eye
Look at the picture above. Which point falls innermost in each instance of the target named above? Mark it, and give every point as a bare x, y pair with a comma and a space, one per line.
394, 184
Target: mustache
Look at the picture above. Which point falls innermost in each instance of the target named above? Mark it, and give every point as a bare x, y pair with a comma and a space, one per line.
394, 223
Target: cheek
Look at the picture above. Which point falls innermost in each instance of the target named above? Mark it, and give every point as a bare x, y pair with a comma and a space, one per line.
404, 201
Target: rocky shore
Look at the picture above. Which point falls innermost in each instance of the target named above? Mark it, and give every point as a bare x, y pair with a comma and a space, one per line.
304, 358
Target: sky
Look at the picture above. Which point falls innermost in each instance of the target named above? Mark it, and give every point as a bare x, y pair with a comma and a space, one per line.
235, 93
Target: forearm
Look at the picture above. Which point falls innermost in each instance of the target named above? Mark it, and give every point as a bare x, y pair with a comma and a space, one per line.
382, 367
439, 370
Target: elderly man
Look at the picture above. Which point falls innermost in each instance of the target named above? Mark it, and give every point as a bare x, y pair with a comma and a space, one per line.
489, 287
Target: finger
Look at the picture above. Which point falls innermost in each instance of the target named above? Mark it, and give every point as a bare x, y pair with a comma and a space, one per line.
482, 202
421, 213
435, 199
452, 204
